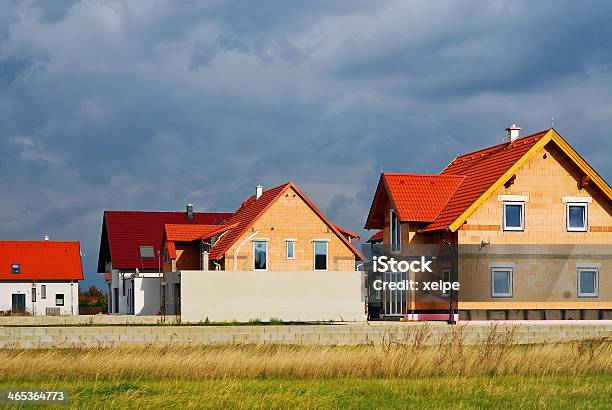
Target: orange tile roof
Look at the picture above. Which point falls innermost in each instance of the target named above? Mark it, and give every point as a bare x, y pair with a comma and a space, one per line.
253, 208
40, 261
420, 198
481, 170
189, 233
441, 199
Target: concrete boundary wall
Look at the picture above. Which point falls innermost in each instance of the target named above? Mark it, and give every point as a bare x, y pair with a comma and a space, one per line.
100, 319
304, 296
343, 334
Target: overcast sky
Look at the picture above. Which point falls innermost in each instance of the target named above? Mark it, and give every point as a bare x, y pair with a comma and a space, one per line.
149, 105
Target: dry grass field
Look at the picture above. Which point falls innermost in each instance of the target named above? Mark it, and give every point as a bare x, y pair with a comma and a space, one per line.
398, 373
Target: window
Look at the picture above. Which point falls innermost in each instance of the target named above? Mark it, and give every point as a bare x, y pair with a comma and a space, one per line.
577, 217
33, 294
260, 255
320, 255
446, 279
514, 216
16, 268
587, 282
43, 291
146, 252
290, 249
59, 299
396, 233
501, 282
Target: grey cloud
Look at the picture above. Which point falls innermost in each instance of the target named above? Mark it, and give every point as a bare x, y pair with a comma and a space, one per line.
148, 105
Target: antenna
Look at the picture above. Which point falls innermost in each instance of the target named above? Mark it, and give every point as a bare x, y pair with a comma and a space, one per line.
552, 122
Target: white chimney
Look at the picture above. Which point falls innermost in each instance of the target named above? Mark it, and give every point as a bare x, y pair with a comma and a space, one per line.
258, 191
513, 132
46, 237
190, 212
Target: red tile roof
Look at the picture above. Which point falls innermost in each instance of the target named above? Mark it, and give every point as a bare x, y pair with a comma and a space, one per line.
40, 261
253, 208
420, 198
377, 237
189, 233
439, 200
124, 231
481, 169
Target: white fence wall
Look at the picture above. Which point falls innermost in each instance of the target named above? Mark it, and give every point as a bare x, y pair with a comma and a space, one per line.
289, 296
146, 295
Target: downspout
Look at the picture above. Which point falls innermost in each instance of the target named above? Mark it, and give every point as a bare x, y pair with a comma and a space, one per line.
72, 298
240, 247
451, 313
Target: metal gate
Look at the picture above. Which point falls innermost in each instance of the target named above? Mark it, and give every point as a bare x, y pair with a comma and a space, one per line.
395, 301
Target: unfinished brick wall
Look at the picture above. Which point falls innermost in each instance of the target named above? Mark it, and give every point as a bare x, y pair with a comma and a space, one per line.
545, 178
290, 217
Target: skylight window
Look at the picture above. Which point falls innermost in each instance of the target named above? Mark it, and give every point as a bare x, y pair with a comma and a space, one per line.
16, 268
147, 252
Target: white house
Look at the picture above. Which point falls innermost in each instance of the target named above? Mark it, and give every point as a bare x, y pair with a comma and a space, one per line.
40, 277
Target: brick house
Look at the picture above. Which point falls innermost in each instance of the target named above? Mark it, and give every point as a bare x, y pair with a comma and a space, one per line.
277, 256
40, 277
276, 229
530, 223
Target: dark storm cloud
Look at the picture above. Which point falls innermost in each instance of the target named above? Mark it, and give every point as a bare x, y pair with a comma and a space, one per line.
148, 105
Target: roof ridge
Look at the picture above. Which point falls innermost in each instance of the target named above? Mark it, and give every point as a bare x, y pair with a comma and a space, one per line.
495, 148
41, 241
247, 204
419, 175
269, 189
164, 212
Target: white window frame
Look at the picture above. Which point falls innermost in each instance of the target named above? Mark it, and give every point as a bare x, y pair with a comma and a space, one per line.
395, 249
510, 284
63, 299
584, 205
255, 242
43, 291
445, 272
292, 242
314, 254
143, 248
513, 228
590, 269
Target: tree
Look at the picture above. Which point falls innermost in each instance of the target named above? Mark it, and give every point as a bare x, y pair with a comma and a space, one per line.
93, 297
